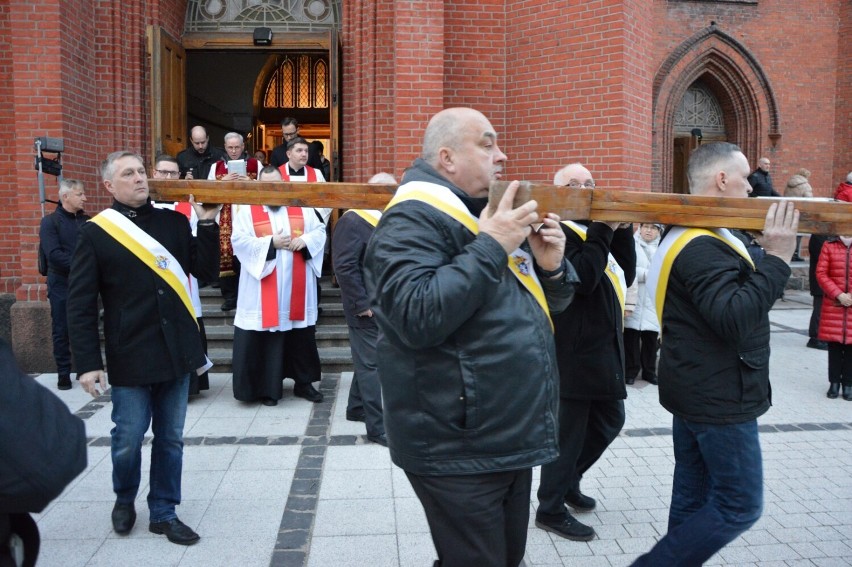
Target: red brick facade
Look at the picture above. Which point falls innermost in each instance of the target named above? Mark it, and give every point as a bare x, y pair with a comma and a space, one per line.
595, 81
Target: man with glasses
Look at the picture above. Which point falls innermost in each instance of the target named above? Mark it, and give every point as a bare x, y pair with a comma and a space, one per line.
290, 130
195, 162
590, 355
166, 167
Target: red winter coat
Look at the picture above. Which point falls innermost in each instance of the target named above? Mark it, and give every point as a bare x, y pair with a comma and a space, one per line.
843, 192
832, 273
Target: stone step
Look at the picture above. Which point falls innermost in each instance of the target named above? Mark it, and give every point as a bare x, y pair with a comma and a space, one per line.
222, 336
332, 359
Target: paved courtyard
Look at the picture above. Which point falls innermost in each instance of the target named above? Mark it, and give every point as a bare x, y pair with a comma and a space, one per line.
297, 484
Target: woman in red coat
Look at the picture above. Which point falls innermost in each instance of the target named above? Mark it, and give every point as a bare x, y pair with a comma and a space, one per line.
833, 273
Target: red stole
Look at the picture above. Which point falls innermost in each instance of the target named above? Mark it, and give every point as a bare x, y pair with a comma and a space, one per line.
310, 173
269, 284
297, 278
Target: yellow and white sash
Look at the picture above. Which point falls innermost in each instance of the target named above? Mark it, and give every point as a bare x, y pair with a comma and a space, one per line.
372, 216
657, 279
613, 271
149, 251
520, 263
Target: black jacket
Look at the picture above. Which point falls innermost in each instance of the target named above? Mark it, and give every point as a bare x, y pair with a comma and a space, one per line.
761, 184
589, 334
58, 237
814, 249
714, 361
467, 360
348, 246
199, 164
150, 336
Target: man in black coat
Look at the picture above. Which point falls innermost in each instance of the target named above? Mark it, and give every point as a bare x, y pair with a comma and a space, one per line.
136, 258
590, 352
57, 238
714, 362
760, 181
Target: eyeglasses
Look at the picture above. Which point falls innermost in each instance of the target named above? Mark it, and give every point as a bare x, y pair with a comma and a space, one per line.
289, 135
574, 184
168, 172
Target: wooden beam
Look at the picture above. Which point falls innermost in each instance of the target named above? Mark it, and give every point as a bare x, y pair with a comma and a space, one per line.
817, 217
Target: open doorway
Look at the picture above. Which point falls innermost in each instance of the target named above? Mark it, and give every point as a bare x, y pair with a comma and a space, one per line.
250, 92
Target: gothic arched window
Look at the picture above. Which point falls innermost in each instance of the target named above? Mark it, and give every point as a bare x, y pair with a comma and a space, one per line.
300, 82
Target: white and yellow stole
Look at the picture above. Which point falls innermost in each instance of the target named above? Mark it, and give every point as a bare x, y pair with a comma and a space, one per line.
614, 272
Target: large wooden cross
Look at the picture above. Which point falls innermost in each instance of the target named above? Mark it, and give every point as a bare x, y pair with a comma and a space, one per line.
817, 216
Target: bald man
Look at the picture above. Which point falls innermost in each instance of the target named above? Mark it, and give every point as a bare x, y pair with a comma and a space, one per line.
462, 298
195, 161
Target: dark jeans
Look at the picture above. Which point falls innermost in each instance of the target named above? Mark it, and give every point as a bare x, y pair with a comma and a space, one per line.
477, 519
162, 405
57, 295
840, 363
366, 391
586, 429
813, 327
717, 492
640, 353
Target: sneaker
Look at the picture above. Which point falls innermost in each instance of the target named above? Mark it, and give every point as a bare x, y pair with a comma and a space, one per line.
580, 501
569, 528
175, 530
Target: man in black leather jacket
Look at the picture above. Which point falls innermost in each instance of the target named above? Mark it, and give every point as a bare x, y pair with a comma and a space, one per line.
467, 360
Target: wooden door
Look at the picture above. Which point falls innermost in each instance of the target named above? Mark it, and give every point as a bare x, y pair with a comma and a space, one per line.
167, 70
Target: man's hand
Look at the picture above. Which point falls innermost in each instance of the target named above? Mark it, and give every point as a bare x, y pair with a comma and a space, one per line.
188, 174
509, 226
779, 230
548, 243
90, 381
281, 241
296, 244
204, 211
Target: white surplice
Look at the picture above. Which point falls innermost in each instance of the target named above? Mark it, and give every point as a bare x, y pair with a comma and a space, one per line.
252, 251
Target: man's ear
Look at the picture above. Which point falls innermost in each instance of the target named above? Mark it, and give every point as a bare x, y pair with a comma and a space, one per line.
721, 180
446, 159
108, 185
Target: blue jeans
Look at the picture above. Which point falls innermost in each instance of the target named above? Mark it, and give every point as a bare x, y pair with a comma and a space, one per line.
717, 492
133, 409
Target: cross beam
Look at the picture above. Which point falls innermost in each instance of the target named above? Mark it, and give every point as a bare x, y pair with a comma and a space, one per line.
817, 217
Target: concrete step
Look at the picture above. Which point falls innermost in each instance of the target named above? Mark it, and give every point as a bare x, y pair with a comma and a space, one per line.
222, 336
332, 359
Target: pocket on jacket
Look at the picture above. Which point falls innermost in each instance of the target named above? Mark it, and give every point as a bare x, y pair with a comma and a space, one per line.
754, 373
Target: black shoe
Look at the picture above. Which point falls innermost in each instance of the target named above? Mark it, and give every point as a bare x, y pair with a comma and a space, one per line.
269, 402
630, 381
229, 305
797, 258
817, 344
308, 392
357, 415
833, 390
650, 379
123, 518
64, 382
175, 530
847, 393
580, 501
378, 439
569, 528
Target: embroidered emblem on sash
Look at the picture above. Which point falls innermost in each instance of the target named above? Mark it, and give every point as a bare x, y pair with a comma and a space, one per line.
162, 262
522, 265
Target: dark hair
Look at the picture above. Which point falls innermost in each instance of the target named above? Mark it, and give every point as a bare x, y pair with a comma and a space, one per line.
288, 120
164, 157
294, 141
315, 149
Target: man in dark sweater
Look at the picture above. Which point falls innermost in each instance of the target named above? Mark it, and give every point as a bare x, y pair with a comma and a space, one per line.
57, 238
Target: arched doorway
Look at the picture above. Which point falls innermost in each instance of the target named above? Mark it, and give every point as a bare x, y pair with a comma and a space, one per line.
698, 119
725, 68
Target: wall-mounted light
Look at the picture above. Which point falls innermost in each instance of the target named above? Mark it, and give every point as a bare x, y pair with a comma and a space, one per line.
262, 36
696, 132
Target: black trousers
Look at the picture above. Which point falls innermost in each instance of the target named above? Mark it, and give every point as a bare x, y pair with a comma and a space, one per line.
640, 353
57, 295
840, 363
477, 520
366, 390
813, 327
586, 429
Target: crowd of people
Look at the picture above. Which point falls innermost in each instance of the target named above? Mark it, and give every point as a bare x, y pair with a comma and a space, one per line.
487, 340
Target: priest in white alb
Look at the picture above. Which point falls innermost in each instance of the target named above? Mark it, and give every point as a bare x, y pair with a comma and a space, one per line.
281, 252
